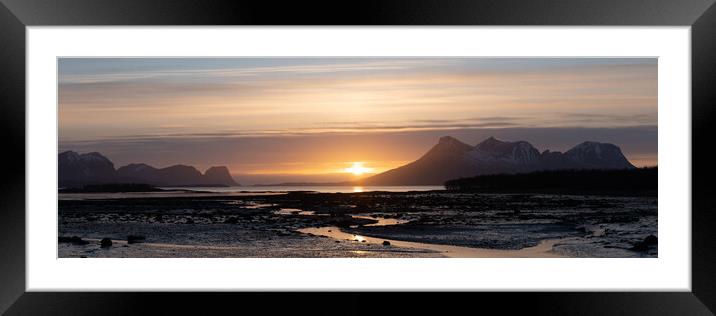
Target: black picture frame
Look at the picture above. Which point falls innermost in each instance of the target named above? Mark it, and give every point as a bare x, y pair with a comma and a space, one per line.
16, 15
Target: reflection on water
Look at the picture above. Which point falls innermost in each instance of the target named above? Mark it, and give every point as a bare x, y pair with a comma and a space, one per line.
382, 221
543, 249
316, 188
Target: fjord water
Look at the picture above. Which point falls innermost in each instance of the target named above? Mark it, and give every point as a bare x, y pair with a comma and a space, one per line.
243, 191
315, 188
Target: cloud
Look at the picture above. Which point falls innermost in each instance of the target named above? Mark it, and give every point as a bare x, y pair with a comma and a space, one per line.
244, 72
155, 100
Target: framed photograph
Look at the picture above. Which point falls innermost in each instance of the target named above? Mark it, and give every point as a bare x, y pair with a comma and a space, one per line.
543, 150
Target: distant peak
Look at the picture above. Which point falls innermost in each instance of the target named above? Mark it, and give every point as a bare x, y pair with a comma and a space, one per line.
592, 144
217, 169
180, 166
137, 167
68, 157
490, 142
589, 143
448, 144
451, 142
220, 174
448, 140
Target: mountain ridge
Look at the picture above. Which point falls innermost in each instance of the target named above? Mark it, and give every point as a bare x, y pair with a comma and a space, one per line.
452, 159
76, 169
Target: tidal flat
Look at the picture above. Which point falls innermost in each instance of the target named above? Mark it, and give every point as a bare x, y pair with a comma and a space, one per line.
356, 225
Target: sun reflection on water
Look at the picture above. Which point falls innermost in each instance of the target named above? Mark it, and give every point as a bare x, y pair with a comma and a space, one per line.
357, 189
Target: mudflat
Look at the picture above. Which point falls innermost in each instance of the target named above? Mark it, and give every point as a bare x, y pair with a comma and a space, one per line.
366, 224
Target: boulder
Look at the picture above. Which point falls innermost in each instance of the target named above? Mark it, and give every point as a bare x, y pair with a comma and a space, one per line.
74, 240
105, 243
644, 245
133, 239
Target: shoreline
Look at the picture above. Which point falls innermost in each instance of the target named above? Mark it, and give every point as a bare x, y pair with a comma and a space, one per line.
544, 249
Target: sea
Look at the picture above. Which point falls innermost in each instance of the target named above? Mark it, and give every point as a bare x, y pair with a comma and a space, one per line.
243, 191
316, 188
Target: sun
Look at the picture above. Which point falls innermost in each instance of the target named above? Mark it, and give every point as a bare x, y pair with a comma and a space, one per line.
358, 169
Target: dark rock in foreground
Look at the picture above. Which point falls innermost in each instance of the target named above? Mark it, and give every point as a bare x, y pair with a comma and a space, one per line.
105, 243
74, 240
133, 239
648, 242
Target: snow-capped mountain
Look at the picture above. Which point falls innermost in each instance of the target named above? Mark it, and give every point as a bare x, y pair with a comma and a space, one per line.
93, 168
492, 149
593, 155
85, 168
452, 159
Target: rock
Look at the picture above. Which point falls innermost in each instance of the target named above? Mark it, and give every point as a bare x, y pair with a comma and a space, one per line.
74, 240
650, 240
189, 221
105, 243
644, 245
386, 243
133, 239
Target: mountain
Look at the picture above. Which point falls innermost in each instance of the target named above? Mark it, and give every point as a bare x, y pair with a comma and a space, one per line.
449, 159
89, 168
593, 155
219, 175
93, 168
177, 175
453, 159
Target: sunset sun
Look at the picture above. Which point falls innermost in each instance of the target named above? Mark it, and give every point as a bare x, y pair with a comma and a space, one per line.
358, 169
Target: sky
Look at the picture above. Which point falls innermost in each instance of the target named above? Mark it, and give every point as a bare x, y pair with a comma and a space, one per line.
273, 120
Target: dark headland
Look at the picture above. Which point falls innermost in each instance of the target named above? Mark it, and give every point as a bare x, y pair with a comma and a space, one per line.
640, 181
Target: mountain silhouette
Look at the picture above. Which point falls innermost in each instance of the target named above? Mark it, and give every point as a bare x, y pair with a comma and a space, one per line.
453, 159
89, 168
93, 168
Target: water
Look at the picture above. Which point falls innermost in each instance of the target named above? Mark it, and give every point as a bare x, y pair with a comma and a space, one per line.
242, 191
317, 188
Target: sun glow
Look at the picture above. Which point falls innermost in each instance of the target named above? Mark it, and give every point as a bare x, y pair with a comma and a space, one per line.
358, 169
